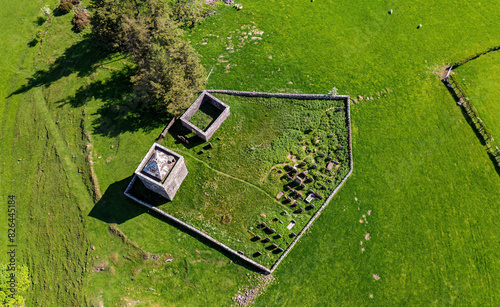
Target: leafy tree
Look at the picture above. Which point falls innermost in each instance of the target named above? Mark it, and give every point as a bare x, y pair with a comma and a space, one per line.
107, 21
187, 12
168, 78
80, 20
22, 284
168, 69
65, 6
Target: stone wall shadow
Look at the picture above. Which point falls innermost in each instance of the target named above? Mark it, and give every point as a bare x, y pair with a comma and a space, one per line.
495, 163
464, 113
179, 129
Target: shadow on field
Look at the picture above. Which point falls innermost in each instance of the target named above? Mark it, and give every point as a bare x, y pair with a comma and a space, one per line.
179, 129
120, 111
495, 163
82, 58
127, 115
114, 206
464, 113
473, 126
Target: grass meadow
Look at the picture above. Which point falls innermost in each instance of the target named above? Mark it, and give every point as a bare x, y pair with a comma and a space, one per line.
416, 223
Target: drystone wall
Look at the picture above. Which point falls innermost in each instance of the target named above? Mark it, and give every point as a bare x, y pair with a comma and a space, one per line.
280, 95
164, 132
303, 97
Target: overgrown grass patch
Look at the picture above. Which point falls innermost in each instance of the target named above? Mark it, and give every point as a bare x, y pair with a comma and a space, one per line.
205, 116
232, 187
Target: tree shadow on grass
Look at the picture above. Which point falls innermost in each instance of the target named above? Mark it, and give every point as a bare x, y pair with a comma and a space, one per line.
82, 58
120, 111
33, 43
115, 118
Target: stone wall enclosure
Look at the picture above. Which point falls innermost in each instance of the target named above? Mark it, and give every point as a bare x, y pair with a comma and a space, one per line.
205, 136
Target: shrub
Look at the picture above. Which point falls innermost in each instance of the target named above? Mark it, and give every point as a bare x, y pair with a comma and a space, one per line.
65, 7
80, 21
46, 11
41, 20
39, 34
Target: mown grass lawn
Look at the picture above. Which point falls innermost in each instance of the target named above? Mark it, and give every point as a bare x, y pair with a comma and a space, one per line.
426, 188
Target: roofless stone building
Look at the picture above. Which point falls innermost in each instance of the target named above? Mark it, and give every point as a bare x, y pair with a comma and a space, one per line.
162, 171
219, 111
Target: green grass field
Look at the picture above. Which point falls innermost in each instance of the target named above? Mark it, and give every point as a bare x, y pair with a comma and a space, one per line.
422, 198
480, 78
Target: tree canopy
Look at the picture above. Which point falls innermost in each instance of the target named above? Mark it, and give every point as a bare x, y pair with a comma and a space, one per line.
8, 298
168, 69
